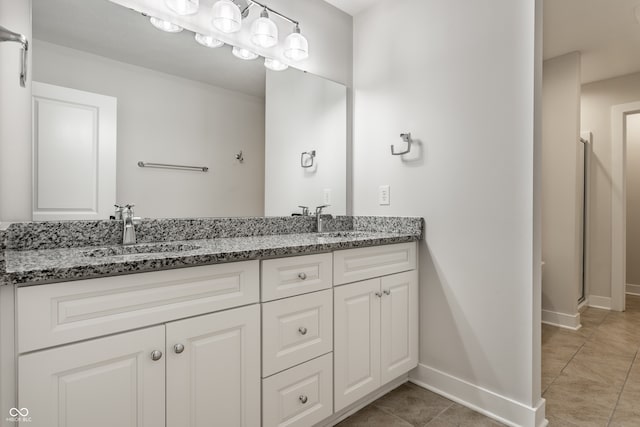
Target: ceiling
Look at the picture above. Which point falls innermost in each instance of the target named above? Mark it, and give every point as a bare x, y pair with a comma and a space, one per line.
606, 32
352, 7
106, 29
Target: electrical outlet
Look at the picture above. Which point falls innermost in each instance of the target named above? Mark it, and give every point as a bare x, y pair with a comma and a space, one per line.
384, 195
327, 196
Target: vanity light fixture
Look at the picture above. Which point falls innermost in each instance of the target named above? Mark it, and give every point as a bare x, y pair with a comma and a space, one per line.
183, 7
227, 16
296, 45
264, 32
242, 53
275, 65
163, 25
208, 41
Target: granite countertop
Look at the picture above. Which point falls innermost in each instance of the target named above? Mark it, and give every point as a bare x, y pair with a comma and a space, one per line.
32, 267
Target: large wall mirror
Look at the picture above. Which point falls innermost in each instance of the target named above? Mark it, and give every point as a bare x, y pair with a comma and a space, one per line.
111, 91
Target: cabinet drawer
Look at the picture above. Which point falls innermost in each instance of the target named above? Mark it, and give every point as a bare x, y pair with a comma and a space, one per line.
60, 313
287, 277
299, 397
352, 265
295, 330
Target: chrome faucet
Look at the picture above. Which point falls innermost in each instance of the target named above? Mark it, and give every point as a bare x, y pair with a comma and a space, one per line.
319, 220
129, 231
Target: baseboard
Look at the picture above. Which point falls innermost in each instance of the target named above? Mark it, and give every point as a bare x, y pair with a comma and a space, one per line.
355, 407
600, 302
561, 320
583, 305
633, 289
486, 402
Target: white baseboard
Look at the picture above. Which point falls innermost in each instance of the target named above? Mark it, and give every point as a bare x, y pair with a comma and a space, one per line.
493, 405
562, 320
633, 289
583, 305
600, 302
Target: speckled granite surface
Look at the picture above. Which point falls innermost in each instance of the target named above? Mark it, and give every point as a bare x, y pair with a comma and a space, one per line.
235, 239
69, 234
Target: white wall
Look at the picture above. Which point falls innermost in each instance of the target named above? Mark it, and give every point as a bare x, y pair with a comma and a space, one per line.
167, 119
596, 101
633, 199
561, 190
304, 113
460, 75
15, 117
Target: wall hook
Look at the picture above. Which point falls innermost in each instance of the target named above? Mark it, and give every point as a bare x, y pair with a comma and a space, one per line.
406, 137
306, 159
240, 157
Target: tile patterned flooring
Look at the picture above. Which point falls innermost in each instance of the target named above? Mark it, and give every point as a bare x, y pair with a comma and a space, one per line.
591, 377
413, 406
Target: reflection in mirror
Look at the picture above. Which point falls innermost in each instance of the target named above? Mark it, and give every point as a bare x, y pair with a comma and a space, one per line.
113, 91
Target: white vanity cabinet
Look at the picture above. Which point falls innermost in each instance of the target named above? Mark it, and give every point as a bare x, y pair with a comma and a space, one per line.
202, 368
376, 333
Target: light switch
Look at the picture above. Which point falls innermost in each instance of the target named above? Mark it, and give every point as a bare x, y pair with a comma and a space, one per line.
384, 195
327, 196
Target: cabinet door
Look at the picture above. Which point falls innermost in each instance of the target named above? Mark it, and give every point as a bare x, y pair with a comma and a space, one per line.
399, 325
356, 341
106, 382
214, 378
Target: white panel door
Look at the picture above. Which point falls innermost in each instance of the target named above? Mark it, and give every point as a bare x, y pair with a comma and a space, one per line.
106, 382
356, 341
74, 153
399, 325
214, 379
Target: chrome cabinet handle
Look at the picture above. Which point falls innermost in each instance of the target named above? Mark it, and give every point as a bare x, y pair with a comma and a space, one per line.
387, 292
302, 330
178, 348
303, 399
302, 276
379, 294
156, 355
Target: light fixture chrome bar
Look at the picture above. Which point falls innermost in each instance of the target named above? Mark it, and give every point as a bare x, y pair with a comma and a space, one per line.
264, 6
170, 166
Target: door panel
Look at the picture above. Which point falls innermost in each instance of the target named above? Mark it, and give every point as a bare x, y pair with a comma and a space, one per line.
356, 341
105, 382
217, 375
399, 325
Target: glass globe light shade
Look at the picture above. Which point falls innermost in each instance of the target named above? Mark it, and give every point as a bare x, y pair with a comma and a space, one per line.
163, 25
275, 65
183, 7
264, 32
242, 53
226, 16
208, 41
296, 46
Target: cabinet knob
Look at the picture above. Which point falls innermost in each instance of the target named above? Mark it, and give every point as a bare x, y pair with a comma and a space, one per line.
387, 292
379, 294
178, 348
302, 276
302, 330
303, 399
156, 355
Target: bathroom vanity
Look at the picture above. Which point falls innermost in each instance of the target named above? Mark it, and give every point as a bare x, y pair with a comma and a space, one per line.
263, 329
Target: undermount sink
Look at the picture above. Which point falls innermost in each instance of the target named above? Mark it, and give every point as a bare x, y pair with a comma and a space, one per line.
139, 249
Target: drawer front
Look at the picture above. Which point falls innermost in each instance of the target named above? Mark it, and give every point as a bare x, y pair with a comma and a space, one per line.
60, 313
299, 397
352, 265
295, 330
287, 277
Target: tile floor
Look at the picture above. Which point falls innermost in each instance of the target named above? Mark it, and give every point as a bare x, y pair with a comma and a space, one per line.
410, 405
591, 377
